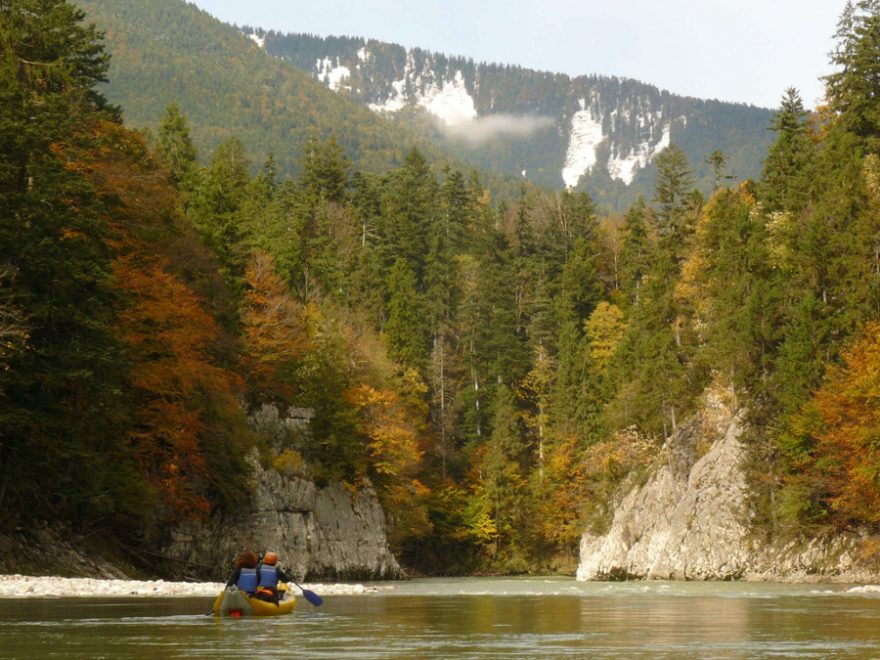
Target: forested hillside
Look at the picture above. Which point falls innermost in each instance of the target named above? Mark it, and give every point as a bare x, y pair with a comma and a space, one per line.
169, 51
495, 370
599, 134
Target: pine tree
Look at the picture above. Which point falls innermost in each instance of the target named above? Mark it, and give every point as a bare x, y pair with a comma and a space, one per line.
673, 189
217, 201
456, 203
718, 161
738, 290
785, 181
580, 289
405, 331
63, 409
325, 170
503, 477
576, 220
635, 252
408, 212
175, 146
853, 90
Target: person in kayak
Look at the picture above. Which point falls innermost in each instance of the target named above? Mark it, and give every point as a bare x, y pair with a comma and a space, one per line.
269, 574
245, 576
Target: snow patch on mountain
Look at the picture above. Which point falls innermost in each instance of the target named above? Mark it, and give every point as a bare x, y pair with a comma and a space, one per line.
624, 167
586, 138
450, 103
332, 73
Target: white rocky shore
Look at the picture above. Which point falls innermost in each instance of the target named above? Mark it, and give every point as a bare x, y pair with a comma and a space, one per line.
691, 520
24, 586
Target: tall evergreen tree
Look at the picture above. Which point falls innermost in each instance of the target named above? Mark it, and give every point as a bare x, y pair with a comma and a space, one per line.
408, 212
853, 90
175, 145
635, 252
217, 201
785, 181
325, 169
62, 411
502, 468
406, 332
673, 189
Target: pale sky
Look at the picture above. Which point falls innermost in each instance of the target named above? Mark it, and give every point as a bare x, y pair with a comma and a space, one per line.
746, 51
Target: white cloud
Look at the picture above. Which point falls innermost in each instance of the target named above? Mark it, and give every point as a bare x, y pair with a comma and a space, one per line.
483, 129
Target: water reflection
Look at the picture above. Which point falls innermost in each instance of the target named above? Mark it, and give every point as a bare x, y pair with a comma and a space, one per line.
473, 618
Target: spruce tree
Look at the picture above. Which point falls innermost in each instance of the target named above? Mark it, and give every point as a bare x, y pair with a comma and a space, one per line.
853, 90
325, 170
217, 200
635, 252
408, 212
503, 476
785, 181
175, 146
675, 221
406, 332
63, 410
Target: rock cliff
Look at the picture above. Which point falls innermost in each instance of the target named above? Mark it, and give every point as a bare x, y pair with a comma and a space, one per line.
691, 519
319, 533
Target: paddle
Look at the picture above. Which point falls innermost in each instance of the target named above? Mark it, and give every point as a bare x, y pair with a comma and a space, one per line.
310, 596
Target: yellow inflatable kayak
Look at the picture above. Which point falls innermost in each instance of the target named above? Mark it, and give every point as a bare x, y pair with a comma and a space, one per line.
233, 602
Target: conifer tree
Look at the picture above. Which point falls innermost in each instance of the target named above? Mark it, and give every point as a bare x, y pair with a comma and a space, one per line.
216, 204
175, 145
456, 203
853, 90
62, 410
325, 170
502, 466
785, 181
738, 291
673, 189
408, 212
635, 251
405, 331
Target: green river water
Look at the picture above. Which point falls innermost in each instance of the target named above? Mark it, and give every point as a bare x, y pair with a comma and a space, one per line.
475, 617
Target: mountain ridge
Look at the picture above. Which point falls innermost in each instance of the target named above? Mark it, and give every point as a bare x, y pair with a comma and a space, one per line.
608, 128
593, 133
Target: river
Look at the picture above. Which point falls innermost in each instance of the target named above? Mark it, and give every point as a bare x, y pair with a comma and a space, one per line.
473, 617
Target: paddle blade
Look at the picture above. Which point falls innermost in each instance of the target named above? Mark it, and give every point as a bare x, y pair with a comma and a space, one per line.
313, 598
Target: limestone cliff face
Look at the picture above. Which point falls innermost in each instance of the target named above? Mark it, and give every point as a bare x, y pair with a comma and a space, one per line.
691, 520
319, 533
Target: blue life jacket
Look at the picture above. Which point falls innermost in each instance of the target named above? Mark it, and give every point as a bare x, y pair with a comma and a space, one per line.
268, 576
247, 580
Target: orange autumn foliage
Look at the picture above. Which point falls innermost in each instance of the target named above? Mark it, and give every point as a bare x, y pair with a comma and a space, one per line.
275, 331
180, 397
168, 334
848, 449
395, 457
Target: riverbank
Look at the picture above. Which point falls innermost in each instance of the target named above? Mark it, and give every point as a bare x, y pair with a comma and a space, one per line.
25, 586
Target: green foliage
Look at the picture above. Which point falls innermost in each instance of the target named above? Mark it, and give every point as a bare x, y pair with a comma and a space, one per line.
476, 362
175, 146
62, 406
405, 331
785, 182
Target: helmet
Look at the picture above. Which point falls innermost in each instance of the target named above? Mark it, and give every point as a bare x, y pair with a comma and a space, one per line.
270, 558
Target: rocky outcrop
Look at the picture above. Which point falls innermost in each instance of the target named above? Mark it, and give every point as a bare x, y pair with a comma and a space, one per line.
691, 520
319, 533
56, 549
